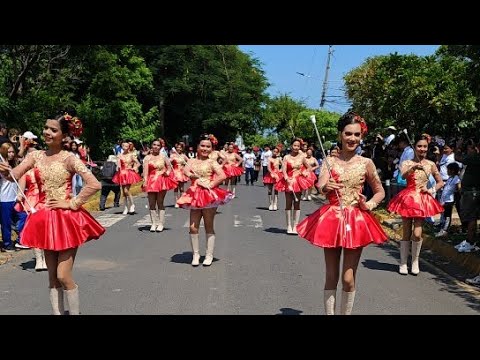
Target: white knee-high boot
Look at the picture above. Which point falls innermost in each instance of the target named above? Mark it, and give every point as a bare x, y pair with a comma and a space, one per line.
416, 247
296, 220
153, 217
329, 301
177, 196
56, 299
40, 264
127, 206
73, 301
347, 301
270, 200
275, 201
288, 217
195, 249
131, 209
161, 220
210, 246
404, 249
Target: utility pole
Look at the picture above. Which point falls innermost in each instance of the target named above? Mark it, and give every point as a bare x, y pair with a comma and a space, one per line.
325, 81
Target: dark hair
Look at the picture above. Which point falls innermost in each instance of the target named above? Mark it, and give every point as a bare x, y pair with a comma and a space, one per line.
63, 124
296, 139
454, 167
349, 118
204, 137
420, 138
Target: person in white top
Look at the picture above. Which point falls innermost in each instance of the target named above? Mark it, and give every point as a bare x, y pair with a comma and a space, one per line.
248, 164
452, 185
8, 198
266, 154
391, 136
407, 154
448, 157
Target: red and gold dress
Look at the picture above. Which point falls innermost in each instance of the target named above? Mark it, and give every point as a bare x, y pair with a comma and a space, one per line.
178, 163
156, 180
32, 179
327, 227
230, 166
126, 174
59, 229
274, 173
411, 202
295, 171
199, 197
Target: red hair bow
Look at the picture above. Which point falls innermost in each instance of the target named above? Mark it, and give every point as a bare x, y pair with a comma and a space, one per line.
75, 125
363, 124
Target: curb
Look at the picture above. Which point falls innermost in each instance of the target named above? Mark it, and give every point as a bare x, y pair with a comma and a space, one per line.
468, 261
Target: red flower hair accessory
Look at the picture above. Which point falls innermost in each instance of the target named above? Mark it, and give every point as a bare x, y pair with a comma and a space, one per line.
363, 124
75, 126
213, 139
429, 138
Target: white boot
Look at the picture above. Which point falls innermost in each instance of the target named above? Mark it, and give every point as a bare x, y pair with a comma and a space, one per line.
125, 209
346, 304
210, 246
153, 217
56, 299
270, 200
131, 209
177, 196
73, 301
44, 263
275, 201
161, 220
296, 220
404, 249
195, 249
329, 301
234, 189
38, 259
416, 247
288, 217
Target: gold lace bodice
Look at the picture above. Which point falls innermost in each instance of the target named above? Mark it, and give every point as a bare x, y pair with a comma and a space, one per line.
56, 172
418, 178
352, 174
204, 169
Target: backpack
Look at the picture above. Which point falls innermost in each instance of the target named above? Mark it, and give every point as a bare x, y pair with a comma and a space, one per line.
109, 169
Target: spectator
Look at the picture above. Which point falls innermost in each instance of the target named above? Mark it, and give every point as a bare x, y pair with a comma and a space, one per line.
3, 133
108, 169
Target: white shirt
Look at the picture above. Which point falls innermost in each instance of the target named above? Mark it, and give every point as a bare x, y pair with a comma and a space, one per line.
265, 156
8, 190
389, 139
407, 154
449, 190
248, 160
444, 161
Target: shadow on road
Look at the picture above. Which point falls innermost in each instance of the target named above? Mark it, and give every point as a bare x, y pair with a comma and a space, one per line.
261, 208
289, 311
186, 258
276, 230
28, 265
377, 265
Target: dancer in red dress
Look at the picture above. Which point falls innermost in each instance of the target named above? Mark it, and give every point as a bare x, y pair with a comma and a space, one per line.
156, 182
178, 160
61, 225
203, 197
297, 176
346, 222
314, 166
415, 202
126, 175
232, 166
272, 177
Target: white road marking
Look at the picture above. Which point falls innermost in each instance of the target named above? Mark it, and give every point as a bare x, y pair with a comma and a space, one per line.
108, 220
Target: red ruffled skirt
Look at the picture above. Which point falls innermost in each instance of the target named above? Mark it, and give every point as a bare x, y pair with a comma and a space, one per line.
410, 203
232, 170
197, 197
161, 183
327, 228
60, 229
179, 176
126, 177
269, 179
299, 184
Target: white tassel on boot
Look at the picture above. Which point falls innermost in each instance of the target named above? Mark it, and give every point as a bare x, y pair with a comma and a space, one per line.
161, 220
270, 200
288, 217
404, 249
73, 301
195, 249
296, 220
329, 301
153, 217
416, 247
56, 299
210, 246
346, 304
275, 201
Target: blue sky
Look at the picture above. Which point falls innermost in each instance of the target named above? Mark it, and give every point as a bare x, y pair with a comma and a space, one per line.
282, 62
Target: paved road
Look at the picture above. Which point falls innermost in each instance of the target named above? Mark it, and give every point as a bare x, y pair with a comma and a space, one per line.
258, 269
